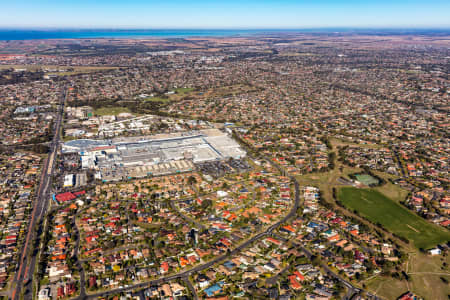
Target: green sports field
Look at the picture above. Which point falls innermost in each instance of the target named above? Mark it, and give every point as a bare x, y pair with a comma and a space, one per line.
397, 219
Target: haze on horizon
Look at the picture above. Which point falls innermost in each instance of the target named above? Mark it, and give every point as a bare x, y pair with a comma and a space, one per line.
224, 14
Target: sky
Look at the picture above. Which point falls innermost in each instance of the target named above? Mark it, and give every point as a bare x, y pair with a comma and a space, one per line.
149, 14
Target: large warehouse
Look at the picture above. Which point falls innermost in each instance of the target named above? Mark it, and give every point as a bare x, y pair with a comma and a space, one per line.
137, 157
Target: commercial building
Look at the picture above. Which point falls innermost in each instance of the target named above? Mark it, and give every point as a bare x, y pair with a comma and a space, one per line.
138, 157
69, 180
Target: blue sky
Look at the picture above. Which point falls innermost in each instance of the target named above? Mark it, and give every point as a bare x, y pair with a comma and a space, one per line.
223, 14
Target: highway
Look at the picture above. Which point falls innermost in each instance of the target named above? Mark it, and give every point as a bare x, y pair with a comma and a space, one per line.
28, 256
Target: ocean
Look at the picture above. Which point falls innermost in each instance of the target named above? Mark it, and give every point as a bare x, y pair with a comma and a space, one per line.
19, 34
32, 34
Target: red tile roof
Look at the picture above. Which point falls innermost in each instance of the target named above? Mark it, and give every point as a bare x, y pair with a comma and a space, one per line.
65, 197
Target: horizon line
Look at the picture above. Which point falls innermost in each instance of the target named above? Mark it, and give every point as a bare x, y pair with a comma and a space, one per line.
44, 28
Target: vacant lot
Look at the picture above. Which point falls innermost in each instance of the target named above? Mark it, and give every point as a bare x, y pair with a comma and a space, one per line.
182, 91
425, 272
111, 111
379, 209
387, 287
157, 99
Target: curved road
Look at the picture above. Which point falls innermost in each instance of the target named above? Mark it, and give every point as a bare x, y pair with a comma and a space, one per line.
269, 231
174, 206
184, 274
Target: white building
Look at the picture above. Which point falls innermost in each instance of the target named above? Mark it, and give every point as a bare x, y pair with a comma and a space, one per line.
69, 180
435, 251
45, 294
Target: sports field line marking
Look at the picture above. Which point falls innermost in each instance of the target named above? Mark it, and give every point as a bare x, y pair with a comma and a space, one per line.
413, 228
366, 200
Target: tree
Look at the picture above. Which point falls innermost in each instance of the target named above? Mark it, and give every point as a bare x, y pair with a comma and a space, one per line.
205, 204
40, 149
191, 180
315, 260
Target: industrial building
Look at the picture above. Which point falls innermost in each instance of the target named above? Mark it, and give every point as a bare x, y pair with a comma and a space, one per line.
138, 157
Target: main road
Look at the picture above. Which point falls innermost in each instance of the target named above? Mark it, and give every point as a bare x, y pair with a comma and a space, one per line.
28, 255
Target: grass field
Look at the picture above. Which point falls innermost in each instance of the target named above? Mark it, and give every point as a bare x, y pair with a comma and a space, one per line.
157, 99
387, 287
339, 142
179, 94
184, 90
430, 286
423, 263
425, 272
326, 181
69, 138
110, 111
379, 209
147, 225
390, 190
